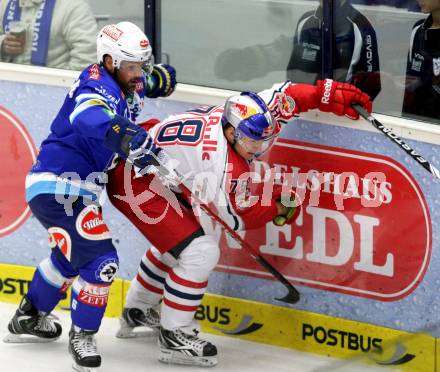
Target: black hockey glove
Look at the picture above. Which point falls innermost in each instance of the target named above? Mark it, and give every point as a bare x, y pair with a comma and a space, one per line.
131, 142
161, 82
135, 145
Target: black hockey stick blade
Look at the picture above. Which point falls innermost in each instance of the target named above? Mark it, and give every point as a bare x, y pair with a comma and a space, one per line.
398, 141
292, 296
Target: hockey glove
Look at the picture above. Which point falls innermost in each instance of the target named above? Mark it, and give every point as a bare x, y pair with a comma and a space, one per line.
163, 167
161, 82
131, 142
291, 206
338, 98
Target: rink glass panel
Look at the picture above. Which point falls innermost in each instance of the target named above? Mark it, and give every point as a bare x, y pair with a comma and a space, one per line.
247, 44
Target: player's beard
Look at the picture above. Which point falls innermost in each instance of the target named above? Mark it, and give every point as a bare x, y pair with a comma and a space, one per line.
131, 85
128, 87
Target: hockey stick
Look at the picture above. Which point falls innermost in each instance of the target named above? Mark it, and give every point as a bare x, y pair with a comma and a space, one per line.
398, 141
293, 295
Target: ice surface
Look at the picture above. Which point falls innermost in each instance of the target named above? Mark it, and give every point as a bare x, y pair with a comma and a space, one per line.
139, 355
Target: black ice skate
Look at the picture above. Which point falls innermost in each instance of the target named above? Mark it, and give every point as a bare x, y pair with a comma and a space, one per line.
179, 347
82, 347
137, 323
31, 325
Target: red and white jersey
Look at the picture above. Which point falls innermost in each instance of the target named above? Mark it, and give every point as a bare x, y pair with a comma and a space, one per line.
195, 140
211, 167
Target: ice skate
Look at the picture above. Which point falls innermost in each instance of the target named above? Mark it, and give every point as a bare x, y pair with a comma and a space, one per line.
179, 347
29, 325
82, 347
137, 323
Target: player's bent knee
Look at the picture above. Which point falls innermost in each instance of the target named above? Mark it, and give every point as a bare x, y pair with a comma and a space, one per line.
54, 276
48, 286
200, 256
167, 258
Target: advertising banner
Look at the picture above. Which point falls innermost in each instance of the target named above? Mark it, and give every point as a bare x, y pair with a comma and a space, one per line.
351, 234
18, 152
355, 343
309, 332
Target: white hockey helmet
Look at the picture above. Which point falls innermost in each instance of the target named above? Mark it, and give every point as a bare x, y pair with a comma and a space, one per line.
124, 41
252, 121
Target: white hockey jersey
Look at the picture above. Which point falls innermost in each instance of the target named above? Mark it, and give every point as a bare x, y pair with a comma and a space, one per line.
212, 169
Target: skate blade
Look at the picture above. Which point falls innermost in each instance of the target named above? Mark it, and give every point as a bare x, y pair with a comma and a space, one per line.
26, 339
177, 357
136, 332
79, 368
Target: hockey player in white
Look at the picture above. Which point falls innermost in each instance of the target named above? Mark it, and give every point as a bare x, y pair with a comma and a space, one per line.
213, 147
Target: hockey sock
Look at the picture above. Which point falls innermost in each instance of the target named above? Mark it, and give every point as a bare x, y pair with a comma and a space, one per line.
90, 291
48, 286
146, 288
187, 282
181, 299
89, 301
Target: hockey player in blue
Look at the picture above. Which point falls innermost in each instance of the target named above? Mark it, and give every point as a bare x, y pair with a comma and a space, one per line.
63, 188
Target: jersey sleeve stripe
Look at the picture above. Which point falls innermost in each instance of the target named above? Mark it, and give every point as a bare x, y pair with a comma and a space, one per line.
95, 102
85, 96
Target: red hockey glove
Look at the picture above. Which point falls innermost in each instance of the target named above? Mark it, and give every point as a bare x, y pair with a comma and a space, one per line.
291, 206
304, 95
338, 98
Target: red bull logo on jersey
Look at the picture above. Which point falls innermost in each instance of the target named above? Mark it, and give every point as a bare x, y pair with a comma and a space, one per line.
90, 224
287, 105
364, 227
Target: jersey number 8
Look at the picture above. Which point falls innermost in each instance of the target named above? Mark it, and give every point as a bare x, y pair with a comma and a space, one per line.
188, 132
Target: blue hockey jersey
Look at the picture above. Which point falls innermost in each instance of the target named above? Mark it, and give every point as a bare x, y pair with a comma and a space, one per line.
75, 144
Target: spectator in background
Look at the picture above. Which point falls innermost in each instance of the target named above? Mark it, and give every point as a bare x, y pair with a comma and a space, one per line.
422, 83
244, 64
52, 33
355, 54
